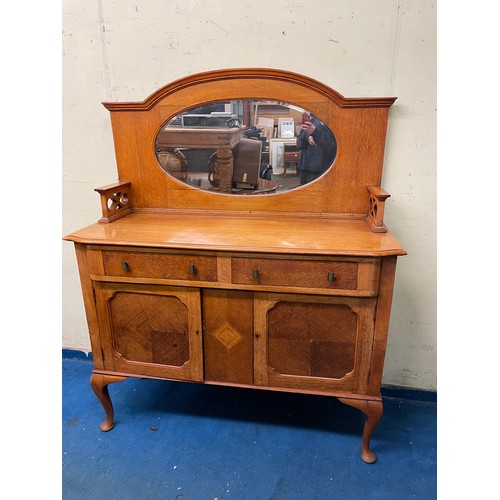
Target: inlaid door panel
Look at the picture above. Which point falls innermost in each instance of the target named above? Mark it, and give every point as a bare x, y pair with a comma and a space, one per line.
151, 330
313, 342
228, 336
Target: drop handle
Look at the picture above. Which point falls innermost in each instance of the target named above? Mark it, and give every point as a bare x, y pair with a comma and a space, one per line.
192, 269
125, 266
255, 274
331, 277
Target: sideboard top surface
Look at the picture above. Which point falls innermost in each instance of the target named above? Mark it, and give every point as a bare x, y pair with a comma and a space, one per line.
238, 232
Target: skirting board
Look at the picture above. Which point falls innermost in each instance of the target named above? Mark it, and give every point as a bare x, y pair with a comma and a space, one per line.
388, 391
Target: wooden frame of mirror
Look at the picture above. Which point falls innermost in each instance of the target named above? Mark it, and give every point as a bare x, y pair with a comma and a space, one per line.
359, 125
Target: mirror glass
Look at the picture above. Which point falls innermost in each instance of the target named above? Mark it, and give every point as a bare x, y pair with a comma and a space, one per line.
245, 147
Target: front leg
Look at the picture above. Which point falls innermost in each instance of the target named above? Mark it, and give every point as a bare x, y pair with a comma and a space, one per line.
373, 411
100, 385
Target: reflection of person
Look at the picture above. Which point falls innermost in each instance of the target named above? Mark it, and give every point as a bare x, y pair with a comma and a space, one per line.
317, 146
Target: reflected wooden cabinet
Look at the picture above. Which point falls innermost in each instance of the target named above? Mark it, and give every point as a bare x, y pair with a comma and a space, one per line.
288, 291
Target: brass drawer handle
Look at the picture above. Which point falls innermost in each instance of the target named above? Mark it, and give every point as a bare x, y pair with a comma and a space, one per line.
125, 266
192, 269
331, 277
255, 274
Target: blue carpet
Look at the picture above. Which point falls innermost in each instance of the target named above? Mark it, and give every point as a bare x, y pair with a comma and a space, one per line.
186, 441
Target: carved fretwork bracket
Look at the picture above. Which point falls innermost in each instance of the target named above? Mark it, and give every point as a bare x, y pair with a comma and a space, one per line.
115, 201
375, 217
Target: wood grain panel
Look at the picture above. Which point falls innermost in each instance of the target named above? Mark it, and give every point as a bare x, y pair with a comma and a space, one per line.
164, 266
313, 343
228, 336
320, 338
298, 273
151, 330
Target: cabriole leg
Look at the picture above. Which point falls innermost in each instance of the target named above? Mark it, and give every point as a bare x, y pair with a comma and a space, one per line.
100, 385
373, 411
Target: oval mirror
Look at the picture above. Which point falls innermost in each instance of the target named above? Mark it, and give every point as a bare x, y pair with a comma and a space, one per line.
245, 147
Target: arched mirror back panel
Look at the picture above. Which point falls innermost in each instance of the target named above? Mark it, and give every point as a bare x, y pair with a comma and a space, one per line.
179, 148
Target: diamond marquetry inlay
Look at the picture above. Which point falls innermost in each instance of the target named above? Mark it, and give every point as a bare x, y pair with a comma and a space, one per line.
227, 336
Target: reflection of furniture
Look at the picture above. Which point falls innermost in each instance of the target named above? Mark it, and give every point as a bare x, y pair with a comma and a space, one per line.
263, 187
202, 181
247, 159
286, 292
246, 165
223, 140
277, 153
291, 155
273, 111
173, 161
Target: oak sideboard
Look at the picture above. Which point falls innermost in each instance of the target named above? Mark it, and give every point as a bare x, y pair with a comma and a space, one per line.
288, 289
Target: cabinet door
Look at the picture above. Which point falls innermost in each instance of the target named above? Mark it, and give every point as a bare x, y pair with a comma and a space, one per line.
228, 336
313, 342
150, 330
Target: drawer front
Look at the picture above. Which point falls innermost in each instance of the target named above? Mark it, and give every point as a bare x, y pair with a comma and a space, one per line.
295, 273
160, 266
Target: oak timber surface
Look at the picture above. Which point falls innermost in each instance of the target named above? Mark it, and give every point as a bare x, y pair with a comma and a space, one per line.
260, 233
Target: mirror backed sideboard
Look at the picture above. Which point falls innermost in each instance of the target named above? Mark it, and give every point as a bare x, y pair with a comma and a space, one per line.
211, 263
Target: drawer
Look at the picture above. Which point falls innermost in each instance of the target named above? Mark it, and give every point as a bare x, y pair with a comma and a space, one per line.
295, 273
160, 265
